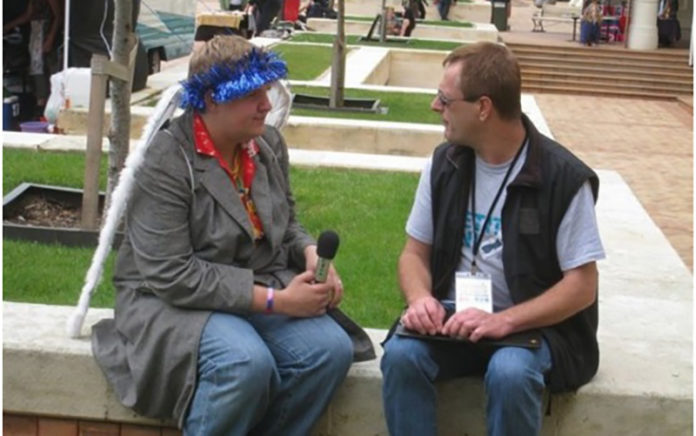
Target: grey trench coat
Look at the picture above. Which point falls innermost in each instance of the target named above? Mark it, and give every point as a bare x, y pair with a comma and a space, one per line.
188, 251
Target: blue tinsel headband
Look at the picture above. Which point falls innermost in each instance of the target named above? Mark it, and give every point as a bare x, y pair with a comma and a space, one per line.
230, 81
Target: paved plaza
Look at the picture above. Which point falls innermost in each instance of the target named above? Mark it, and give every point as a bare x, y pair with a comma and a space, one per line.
648, 142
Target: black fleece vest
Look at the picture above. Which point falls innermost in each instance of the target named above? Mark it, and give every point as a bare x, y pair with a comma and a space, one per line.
534, 207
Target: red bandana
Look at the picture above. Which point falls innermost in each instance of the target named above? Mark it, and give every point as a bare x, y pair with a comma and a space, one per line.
243, 163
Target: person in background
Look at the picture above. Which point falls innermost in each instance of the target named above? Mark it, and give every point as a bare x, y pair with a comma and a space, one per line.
590, 23
403, 24
668, 27
443, 7
46, 21
264, 11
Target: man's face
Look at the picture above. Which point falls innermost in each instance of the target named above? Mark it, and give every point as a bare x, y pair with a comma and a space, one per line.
458, 115
244, 118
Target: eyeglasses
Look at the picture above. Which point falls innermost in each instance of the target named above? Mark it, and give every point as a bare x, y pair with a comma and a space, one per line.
446, 101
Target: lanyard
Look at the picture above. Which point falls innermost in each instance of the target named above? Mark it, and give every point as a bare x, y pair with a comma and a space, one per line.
479, 239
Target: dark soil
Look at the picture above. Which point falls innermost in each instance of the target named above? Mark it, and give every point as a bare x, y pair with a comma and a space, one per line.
39, 211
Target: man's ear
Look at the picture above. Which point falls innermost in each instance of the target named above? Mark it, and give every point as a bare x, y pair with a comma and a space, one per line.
485, 108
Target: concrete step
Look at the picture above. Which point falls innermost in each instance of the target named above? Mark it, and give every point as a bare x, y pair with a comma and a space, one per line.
623, 83
605, 71
613, 81
611, 63
599, 52
583, 90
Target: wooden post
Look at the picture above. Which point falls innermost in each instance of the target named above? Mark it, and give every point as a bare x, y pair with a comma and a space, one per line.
95, 123
383, 23
338, 65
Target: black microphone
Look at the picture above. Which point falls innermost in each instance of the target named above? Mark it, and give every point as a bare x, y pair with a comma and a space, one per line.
327, 245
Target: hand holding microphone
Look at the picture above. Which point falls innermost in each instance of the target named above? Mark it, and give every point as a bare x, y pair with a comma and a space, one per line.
327, 245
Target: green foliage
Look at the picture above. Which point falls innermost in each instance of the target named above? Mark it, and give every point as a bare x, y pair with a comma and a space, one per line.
402, 107
368, 209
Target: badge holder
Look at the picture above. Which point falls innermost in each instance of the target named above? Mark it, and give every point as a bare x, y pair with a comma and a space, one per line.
474, 290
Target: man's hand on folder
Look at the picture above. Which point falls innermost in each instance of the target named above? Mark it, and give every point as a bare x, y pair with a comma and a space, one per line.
474, 324
425, 315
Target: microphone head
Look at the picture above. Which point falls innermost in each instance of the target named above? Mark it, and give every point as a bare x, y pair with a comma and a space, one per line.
327, 245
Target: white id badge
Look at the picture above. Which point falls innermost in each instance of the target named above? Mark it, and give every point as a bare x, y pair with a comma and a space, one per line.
474, 290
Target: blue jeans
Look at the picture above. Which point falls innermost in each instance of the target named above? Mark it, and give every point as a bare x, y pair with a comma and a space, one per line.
443, 8
514, 383
266, 374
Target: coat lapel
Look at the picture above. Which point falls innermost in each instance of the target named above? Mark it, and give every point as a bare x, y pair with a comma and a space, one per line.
218, 184
262, 193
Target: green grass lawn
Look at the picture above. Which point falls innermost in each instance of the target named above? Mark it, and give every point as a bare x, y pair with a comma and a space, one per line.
46, 168
327, 38
367, 209
448, 23
403, 107
304, 62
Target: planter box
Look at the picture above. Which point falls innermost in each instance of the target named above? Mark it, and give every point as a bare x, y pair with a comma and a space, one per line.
303, 101
15, 202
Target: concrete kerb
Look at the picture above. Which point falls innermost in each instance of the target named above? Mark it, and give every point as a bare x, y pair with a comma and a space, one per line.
350, 135
644, 378
477, 32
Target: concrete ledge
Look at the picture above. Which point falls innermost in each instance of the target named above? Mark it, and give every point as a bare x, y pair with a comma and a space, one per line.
644, 384
475, 11
478, 31
309, 133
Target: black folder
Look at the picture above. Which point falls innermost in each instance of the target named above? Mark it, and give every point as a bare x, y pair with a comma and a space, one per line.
525, 339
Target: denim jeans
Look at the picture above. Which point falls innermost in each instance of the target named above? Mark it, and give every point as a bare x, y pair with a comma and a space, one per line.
266, 374
513, 379
443, 8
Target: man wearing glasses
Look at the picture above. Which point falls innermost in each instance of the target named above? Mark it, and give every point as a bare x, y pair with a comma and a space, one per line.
504, 219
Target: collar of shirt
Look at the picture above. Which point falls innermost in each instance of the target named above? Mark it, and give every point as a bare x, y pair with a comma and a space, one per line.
204, 144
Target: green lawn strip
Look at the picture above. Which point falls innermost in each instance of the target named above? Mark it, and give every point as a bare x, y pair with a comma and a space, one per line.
403, 107
422, 44
51, 274
447, 23
304, 62
367, 209
44, 167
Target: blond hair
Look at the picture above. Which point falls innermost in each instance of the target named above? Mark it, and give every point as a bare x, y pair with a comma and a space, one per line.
217, 50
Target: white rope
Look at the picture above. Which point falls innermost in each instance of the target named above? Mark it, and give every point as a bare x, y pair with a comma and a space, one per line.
163, 111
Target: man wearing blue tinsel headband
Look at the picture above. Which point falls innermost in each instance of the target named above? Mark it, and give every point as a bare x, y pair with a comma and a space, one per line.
218, 322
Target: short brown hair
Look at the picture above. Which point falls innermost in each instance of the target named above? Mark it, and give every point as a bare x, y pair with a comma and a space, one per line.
219, 49
490, 69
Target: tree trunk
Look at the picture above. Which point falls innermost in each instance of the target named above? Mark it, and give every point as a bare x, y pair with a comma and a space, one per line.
383, 23
119, 133
338, 65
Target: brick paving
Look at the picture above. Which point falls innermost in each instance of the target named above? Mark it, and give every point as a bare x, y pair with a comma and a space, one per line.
648, 142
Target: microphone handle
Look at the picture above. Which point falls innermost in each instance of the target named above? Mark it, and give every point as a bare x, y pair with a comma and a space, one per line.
322, 270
